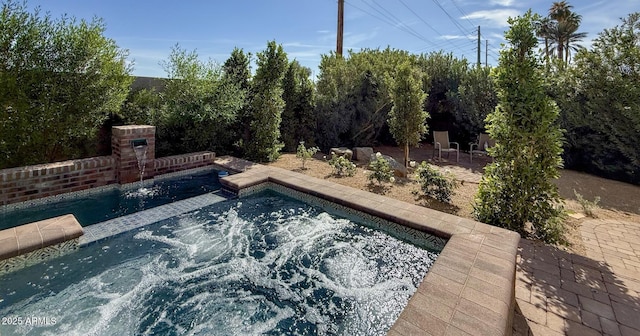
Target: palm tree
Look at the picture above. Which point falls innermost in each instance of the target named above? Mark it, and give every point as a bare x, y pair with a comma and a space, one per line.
560, 10
543, 30
571, 44
563, 32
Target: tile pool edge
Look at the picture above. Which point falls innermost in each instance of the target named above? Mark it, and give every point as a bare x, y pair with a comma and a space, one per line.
92, 191
405, 233
471, 287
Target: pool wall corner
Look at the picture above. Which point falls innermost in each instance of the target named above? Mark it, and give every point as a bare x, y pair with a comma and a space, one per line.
35, 242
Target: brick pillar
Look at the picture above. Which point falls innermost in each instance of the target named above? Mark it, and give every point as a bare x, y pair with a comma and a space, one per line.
127, 170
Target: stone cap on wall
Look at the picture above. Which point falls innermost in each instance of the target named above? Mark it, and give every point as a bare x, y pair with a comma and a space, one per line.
37, 235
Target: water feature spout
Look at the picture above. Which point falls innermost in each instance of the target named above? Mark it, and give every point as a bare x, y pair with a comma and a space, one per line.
140, 148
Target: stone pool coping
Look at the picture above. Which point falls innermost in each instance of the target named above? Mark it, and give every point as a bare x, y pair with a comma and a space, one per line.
38, 235
470, 290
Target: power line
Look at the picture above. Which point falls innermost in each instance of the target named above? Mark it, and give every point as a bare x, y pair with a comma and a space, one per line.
464, 14
419, 17
386, 18
425, 22
455, 22
376, 10
397, 22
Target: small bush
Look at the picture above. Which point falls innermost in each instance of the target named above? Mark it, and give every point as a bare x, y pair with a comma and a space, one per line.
435, 184
587, 206
342, 166
303, 153
380, 170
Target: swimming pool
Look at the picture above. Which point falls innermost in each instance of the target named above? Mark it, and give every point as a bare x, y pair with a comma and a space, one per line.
112, 202
264, 264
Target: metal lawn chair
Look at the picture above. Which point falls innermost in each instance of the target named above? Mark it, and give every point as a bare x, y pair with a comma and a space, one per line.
484, 142
441, 144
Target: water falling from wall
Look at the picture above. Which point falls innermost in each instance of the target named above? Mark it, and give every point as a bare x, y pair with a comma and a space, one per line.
141, 156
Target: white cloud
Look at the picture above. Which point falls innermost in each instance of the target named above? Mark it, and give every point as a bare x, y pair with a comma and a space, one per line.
497, 16
457, 37
351, 41
451, 37
502, 2
496, 36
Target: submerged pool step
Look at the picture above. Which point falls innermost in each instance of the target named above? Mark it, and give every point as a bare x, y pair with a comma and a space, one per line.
96, 232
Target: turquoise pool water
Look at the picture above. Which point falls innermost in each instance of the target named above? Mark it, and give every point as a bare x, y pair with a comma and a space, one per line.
101, 206
265, 264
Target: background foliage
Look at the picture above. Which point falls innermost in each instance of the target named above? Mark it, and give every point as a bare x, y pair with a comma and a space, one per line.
62, 81
199, 106
59, 80
600, 101
298, 93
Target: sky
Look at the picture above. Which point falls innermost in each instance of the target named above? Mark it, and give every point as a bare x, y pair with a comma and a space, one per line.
307, 28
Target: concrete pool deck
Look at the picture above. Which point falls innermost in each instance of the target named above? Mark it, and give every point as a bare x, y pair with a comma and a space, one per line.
470, 290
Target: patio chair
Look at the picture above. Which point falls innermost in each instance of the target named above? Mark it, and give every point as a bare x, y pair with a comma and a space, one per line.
484, 142
441, 144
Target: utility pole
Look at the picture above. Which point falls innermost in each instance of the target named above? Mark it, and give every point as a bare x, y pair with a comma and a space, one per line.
486, 53
479, 62
340, 27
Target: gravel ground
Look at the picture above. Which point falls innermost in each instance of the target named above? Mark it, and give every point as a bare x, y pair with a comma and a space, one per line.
618, 200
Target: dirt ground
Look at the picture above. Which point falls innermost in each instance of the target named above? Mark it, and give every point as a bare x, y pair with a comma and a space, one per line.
617, 200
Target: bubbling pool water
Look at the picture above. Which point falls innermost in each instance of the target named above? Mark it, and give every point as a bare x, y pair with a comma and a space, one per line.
266, 265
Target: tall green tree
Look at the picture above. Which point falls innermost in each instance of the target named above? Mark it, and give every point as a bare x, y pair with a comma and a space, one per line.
237, 70
298, 118
353, 100
407, 117
199, 106
517, 189
267, 104
59, 81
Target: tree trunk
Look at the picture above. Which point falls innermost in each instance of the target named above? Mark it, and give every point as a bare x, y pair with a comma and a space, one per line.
406, 154
560, 50
546, 50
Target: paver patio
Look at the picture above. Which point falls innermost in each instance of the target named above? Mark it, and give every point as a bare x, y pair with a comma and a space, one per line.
560, 293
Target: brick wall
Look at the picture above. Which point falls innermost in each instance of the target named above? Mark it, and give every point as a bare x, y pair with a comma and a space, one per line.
31, 182
127, 170
170, 164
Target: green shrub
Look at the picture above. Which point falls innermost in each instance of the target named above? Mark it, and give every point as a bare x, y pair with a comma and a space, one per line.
341, 165
517, 190
587, 206
435, 184
60, 79
380, 170
303, 153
